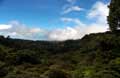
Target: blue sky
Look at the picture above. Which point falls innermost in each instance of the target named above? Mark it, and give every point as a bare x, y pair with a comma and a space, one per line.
47, 16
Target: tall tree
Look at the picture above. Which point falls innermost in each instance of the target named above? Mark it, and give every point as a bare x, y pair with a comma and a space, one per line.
114, 15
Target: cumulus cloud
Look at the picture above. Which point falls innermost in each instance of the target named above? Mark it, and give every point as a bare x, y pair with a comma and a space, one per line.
18, 30
64, 34
76, 32
4, 26
99, 11
95, 28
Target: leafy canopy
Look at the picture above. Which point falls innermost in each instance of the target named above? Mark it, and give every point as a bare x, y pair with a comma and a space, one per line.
114, 15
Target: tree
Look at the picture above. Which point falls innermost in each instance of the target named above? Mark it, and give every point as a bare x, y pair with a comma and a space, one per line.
114, 15
8, 37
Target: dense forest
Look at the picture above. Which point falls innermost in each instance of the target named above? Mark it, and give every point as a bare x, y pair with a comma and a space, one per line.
93, 56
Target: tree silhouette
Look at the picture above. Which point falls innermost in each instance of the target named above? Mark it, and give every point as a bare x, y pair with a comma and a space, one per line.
114, 15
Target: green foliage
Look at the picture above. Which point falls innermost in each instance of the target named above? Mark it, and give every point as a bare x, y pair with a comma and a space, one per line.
3, 70
22, 56
114, 15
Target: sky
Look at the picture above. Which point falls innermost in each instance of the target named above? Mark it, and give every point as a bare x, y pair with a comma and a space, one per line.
52, 19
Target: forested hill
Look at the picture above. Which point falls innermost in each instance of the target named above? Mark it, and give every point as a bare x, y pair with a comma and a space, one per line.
51, 46
93, 56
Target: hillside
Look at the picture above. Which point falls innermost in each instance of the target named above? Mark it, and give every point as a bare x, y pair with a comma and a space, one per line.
93, 56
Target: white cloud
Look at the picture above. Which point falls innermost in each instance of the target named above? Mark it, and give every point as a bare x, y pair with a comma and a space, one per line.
4, 26
76, 32
22, 29
95, 28
72, 9
18, 30
99, 11
74, 20
63, 34
35, 30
